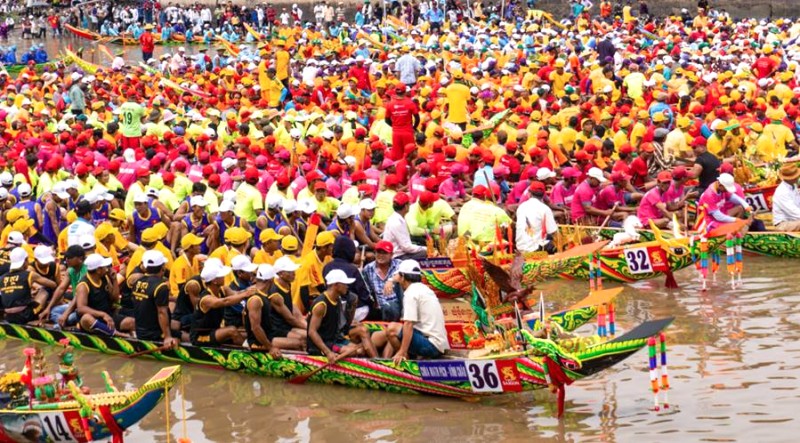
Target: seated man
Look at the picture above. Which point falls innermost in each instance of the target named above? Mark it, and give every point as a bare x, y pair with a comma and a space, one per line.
213, 298
324, 330
287, 320
654, 205
422, 333
379, 275
716, 196
259, 315
786, 201
18, 304
583, 207
95, 297
150, 292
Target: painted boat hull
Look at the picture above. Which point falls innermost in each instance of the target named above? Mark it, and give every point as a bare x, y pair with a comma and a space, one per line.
61, 421
517, 373
130, 41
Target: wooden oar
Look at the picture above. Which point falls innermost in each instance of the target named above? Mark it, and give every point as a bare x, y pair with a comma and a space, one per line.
161, 348
300, 379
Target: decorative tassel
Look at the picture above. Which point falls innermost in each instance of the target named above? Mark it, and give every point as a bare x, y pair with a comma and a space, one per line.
739, 258
704, 262
592, 286
664, 376
670, 282
714, 265
612, 327
598, 273
730, 258
651, 350
601, 320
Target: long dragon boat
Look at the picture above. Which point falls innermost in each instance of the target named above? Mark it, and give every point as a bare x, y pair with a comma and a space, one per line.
104, 415
653, 257
538, 364
769, 243
176, 39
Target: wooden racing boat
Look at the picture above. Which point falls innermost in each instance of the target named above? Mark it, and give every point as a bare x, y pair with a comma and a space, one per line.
105, 415
177, 39
457, 376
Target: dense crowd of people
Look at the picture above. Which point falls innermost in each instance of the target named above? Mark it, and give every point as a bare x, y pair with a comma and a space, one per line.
278, 194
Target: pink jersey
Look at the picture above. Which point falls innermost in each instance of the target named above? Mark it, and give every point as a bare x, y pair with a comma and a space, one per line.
729, 204
608, 196
416, 186
561, 195
451, 190
647, 207
673, 194
584, 196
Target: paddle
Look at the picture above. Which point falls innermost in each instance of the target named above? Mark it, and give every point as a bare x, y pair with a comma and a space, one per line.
161, 348
300, 379
608, 217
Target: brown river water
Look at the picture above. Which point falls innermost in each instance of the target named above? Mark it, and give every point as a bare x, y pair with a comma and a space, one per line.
734, 363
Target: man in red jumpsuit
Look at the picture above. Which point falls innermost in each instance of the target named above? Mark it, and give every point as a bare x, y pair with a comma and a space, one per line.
402, 115
147, 42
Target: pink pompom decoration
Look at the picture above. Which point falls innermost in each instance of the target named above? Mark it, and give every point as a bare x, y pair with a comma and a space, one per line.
29, 352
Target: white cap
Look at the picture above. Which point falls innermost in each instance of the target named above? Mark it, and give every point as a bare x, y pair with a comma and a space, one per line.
70, 184
345, 211
87, 241
129, 155
96, 261
141, 198
597, 174
229, 195
289, 206
6, 179
153, 258
18, 258
228, 163
367, 203
243, 263
727, 181
150, 192
410, 267
716, 124
44, 254
24, 190
197, 200
181, 49
338, 276
3, 193
544, 174
214, 269
308, 206
295, 133
265, 272
15, 238
350, 160
285, 264
274, 201
225, 206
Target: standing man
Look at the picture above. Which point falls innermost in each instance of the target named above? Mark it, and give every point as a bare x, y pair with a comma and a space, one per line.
147, 42
422, 333
535, 222
131, 114
458, 96
396, 230
402, 114
77, 96
408, 67
786, 201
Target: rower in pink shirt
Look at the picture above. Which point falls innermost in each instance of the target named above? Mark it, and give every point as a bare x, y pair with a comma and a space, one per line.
564, 190
716, 196
653, 206
452, 188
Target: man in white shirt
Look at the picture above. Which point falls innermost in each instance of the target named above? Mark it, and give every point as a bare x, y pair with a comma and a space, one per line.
422, 333
396, 231
408, 67
535, 222
786, 201
81, 226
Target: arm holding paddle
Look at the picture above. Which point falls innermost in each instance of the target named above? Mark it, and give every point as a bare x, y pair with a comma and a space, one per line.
254, 312
317, 313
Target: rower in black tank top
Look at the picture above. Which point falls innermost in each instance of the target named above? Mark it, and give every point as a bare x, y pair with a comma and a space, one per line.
149, 292
184, 309
329, 327
266, 319
15, 293
205, 321
280, 327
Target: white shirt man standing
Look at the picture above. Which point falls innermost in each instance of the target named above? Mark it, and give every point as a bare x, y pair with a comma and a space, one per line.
535, 222
786, 200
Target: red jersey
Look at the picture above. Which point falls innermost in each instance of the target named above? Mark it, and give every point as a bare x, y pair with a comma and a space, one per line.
401, 113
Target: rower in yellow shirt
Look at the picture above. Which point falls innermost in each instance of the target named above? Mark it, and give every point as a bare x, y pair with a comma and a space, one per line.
236, 242
187, 265
310, 281
151, 240
270, 248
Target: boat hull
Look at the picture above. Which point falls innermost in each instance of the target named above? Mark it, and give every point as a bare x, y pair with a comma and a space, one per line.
448, 377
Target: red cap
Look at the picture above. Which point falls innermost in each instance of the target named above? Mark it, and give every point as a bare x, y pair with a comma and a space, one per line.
699, 141
582, 155
335, 169
269, 139
619, 177
664, 176
431, 184
385, 246
626, 148
401, 198
82, 169
208, 170
392, 180
251, 175
400, 88
679, 173
283, 180
647, 147
537, 187
168, 178
450, 151
313, 175
480, 191
428, 197
142, 172
511, 147
320, 185
358, 175
725, 168
361, 132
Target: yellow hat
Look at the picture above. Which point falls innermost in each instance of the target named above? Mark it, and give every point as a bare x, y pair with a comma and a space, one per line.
643, 115
191, 240
536, 115
659, 117
290, 243
624, 122
15, 214
22, 225
458, 74
775, 114
117, 214
554, 121
237, 236
757, 127
768, 49
325, 238
103, 230
606, 116
161, 230
71, 217
560, 63
684, 122
269, 234
149, 235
